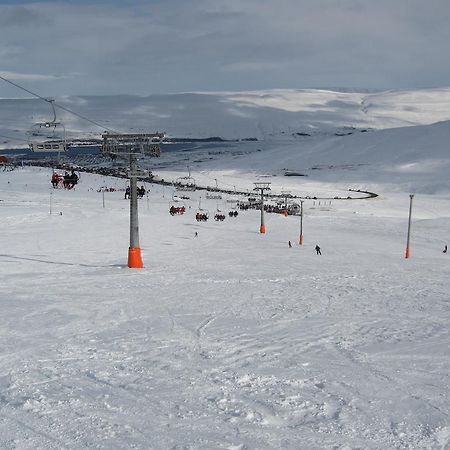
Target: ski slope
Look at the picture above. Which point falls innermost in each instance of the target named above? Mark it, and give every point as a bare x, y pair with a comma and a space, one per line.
228, 340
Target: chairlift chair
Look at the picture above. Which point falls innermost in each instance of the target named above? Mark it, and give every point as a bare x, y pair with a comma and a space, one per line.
233, 212
219, 216
176, 207
185, 184
49, 136
202, 215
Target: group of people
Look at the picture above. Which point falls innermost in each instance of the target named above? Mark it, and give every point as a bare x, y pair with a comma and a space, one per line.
140, 192
177, 210
219, 217
68, 180
201, 217
316, 248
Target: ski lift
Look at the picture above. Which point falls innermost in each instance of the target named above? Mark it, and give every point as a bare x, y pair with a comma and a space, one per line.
70, 180
57, 180
185, 184
219, 216
213, 193
48, 137
233, 212
202, 215
176, 207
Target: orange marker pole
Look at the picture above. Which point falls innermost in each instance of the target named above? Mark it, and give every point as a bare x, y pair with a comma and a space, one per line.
262, 228
300, 241
407, 253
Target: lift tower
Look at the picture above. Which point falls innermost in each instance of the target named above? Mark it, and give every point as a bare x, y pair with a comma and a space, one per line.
132, 147
286, 195
261, 187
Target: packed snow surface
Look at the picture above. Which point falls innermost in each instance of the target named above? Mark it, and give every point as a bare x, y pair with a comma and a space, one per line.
227, 340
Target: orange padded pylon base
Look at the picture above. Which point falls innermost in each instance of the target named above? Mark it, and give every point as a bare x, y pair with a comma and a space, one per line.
407, 252
300, 241
135, 258
286, 213
262, 229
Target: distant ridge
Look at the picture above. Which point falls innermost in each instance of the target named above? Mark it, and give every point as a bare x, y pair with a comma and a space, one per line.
262, 115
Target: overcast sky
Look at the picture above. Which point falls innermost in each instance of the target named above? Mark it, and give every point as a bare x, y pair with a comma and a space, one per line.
160, 46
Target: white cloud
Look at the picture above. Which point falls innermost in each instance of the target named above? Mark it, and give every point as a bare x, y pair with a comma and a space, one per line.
145, 47
28, 76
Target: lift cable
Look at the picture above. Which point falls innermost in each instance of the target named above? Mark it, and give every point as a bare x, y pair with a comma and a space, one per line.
58, 106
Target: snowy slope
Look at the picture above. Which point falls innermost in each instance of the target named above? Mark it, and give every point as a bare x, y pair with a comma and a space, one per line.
409, 159
230, 340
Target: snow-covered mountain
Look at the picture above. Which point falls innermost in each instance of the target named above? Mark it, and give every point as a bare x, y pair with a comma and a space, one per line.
362, 138
234, 115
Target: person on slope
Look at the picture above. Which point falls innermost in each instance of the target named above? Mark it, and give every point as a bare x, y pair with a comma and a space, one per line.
289, 243
318, 252
445, 249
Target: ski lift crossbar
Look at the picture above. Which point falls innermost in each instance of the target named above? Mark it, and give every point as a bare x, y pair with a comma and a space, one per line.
139, 144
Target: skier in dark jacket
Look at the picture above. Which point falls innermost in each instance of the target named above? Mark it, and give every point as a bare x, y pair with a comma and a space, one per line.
318, 252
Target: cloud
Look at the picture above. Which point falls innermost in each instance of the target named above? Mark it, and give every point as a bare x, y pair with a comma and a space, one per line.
151, 46
28, 76
18, 17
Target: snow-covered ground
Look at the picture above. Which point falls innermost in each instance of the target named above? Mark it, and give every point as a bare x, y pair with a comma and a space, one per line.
228, 340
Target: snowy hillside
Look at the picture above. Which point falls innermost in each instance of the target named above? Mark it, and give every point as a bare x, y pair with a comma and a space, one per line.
228, 340
231, 339
263, 115
409, 159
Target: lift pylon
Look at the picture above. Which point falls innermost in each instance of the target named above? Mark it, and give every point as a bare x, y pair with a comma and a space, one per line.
131, 147
261, 187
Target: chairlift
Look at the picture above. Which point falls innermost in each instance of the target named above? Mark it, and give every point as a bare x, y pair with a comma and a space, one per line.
219, 216
185, 184
233, 212
176, 207
48, 137
213, 193
57, 180
202, 215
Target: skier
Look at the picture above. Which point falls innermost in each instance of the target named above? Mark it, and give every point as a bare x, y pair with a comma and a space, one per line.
127, 192
196, 234
445, 249
290, 245
318, 252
